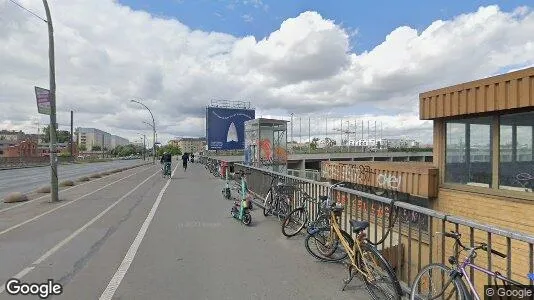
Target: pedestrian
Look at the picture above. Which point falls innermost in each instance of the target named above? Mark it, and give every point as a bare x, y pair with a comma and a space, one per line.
185, 158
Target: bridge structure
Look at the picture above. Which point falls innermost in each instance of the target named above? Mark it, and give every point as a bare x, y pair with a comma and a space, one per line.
313, 161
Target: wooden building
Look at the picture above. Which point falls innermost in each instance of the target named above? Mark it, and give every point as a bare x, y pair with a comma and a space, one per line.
483, 158
483, 148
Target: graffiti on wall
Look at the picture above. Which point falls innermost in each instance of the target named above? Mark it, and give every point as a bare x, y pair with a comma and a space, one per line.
367, 207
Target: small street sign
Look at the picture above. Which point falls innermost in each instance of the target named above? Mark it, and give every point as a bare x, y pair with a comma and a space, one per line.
43, 100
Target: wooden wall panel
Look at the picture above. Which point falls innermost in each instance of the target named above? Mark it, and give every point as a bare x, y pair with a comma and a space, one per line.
507, 91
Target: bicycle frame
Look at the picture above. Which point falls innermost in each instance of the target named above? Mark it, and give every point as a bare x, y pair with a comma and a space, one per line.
351, 251
467, 263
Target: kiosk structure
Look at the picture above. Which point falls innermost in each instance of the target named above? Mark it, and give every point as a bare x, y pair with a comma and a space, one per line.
266, 144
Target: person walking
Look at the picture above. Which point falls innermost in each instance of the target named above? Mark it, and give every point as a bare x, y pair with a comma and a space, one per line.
185, 158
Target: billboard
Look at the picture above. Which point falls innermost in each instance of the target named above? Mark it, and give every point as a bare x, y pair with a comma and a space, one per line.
225, 127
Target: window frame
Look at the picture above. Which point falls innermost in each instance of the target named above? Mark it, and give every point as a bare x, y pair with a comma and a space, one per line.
493, 189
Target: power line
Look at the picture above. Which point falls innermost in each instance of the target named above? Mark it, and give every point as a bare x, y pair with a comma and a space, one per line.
31, 12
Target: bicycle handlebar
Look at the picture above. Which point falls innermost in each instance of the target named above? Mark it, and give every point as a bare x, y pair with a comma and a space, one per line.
481, 246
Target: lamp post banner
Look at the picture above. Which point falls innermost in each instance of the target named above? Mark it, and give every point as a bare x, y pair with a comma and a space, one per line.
43, 100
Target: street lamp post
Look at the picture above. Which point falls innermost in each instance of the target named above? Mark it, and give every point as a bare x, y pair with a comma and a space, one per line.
153, 130
53, 164
144, 145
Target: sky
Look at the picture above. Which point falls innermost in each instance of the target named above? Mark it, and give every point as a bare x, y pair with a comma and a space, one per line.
340, 63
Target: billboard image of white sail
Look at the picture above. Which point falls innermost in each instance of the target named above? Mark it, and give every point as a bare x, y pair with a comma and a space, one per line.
225, 127
232, 133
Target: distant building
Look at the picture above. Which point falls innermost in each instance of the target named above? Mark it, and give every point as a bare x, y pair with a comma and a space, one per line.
189, 145
91, 137
118, 141
11, 135
27, 148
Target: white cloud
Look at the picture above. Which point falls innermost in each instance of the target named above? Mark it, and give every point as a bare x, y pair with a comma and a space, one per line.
107, 54
247, 18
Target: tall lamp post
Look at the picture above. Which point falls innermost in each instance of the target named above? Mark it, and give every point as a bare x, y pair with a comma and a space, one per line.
153, 130
53, 163
144, 145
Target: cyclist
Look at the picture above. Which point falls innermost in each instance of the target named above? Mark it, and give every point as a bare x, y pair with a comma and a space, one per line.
166, 160
185, 158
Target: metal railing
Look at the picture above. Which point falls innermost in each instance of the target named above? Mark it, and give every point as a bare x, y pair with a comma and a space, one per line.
412, 243
308, 174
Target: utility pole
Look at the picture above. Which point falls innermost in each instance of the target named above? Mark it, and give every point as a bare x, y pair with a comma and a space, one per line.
292, 144
71, 135
144, 147
53, 163
309, 134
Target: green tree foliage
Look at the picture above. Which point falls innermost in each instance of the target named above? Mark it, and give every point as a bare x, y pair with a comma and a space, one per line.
96, 148
127, 150
173, 150
62, 136
313, 144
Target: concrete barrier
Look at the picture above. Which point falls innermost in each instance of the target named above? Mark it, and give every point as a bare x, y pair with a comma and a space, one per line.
15, 197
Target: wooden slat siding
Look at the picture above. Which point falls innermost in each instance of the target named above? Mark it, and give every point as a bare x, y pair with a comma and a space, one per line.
524, 92
480, 99
447, 102
511, 100
503, 96
507, 91
471, 99
455, 103
439, 108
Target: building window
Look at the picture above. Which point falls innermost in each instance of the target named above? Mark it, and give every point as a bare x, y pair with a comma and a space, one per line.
468, 151
516, 166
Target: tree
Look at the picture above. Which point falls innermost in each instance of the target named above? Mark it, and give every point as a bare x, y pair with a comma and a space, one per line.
62, 136
173, 150
82, 147
96, 148
313, 144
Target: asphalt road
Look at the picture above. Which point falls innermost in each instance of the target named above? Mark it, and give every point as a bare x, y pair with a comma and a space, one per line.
28, 179
135, 235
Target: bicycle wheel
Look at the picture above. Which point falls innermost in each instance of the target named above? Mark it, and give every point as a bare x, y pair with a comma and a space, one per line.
283, 207
438, 285
327, 247
381, 281
294, 222
247, 219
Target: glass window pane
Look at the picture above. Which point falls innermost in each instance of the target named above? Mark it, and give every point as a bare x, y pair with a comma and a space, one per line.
516, 168
468, 152
455, 153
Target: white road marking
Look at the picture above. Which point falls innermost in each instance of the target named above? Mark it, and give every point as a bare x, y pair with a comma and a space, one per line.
63, 205
73, 235
33, 200
130, 255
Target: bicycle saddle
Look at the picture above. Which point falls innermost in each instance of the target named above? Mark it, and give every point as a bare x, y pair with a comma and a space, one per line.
358, 226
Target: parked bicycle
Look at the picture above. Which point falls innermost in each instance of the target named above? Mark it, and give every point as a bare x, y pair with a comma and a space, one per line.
364, 259
300, 217
277, 201
447, 283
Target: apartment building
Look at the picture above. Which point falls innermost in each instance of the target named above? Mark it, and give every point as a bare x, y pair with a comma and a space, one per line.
189, 145
91, 137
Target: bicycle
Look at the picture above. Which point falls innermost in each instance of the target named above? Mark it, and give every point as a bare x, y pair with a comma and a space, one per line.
166, 170
458, 290
300, 216
277, 201
364, 258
